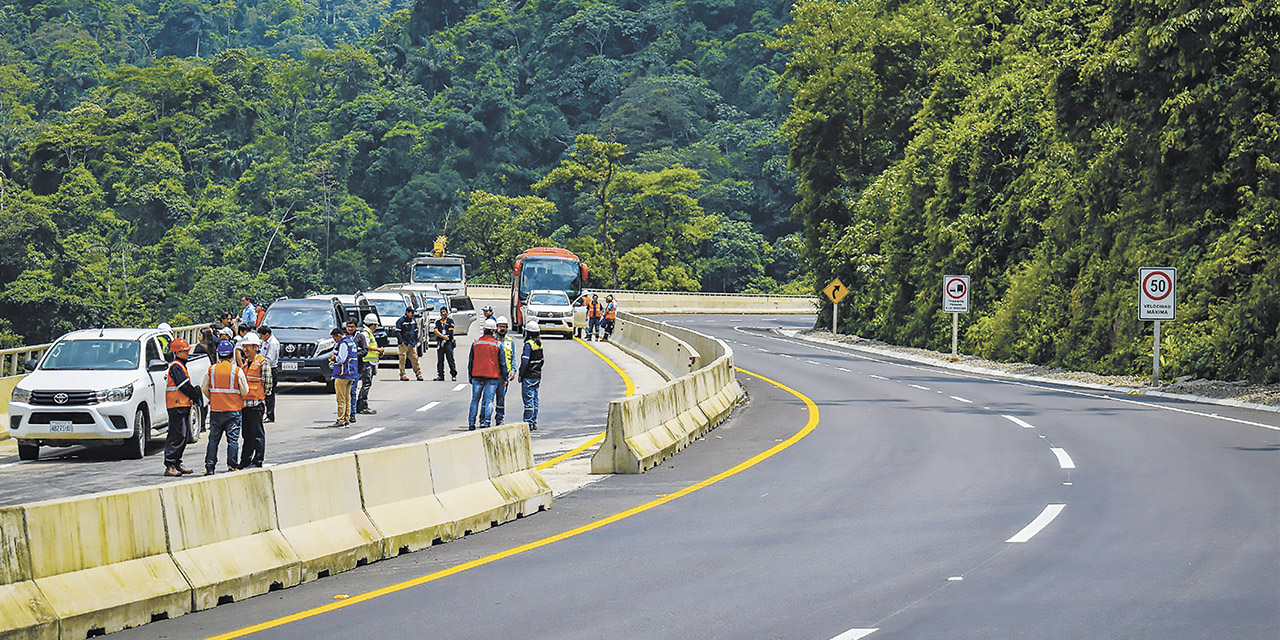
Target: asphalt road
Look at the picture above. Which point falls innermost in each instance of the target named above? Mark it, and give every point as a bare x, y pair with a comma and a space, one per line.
574, 403
922, 504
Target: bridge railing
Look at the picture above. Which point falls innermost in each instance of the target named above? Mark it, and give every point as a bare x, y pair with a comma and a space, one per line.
651, 302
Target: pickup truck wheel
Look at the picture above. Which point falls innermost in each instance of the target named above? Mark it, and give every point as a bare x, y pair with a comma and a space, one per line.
197, 425
28, 451
135, 448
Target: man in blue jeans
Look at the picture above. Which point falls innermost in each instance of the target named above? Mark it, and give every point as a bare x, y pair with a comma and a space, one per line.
531, 372
225, 387
486, 370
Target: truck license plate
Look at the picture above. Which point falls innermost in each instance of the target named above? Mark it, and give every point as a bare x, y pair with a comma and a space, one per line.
289, 366
60, 426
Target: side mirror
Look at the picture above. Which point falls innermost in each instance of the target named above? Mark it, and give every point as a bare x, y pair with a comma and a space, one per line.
157, 365
584, 273
30, 364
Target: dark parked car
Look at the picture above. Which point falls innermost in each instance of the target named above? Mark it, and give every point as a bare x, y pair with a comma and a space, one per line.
302, 326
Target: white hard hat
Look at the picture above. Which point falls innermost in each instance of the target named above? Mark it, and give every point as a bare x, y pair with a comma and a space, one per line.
490, 325
226, 331
252, 339
531, 326
369, 318
164, 326
504, 320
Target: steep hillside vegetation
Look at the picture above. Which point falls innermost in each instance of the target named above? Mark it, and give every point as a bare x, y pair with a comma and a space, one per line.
158, 157
1049, 148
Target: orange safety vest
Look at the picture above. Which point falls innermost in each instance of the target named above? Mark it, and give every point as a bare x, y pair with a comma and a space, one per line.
173, 398
610, 311
253, 373
593, 309
223, 393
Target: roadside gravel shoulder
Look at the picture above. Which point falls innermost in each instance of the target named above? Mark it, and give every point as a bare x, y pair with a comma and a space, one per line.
1233, 394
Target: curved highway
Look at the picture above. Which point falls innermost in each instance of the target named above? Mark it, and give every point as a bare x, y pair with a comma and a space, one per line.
904, 502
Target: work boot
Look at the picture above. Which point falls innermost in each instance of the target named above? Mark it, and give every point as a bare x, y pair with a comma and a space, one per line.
439, 378
183, 470
171, 472
404, 378
208, 471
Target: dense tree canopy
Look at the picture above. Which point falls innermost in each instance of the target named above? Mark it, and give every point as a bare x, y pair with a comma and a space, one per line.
1048, 148
160, 157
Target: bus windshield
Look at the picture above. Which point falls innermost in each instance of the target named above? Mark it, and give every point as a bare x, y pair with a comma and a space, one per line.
389, 308
437, 273
559, 274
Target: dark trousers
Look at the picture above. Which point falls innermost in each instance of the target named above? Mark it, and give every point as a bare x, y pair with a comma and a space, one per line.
606, 327
221, 422
445, 350
271, 394
500, 402
367, 371
175, 443
255, 436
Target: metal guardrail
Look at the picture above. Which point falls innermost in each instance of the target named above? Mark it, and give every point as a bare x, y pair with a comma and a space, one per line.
506, 290
13, 361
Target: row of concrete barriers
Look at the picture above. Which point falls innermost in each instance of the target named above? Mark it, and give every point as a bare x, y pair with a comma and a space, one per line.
78, 567
646, 429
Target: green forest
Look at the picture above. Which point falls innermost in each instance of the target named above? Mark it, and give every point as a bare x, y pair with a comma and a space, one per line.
158, 158
1049, 149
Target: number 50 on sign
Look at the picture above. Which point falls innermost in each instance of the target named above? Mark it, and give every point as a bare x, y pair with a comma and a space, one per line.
1157, 293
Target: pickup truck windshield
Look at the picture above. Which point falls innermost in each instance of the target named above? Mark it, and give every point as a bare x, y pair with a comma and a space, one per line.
551, 299
437, 273
93, 355
300, 317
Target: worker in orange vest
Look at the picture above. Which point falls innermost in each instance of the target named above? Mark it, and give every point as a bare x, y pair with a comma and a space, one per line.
179, 396
257, 372
225, 387
610, 316
594, 311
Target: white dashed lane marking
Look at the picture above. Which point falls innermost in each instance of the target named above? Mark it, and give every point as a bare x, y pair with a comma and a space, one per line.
428, 406
460, 387
1028, 532
364, 433
959, 399
1064, 460
1019, 421
916, 386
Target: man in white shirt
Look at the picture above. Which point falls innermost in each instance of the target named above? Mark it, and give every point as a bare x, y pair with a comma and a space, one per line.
270, 350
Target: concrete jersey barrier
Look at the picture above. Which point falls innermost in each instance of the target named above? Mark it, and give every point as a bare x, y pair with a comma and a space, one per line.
322, 517
400, 500
224, 537
646, 429
103, 563
25, 614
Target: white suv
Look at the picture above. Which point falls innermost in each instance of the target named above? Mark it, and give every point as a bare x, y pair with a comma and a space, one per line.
98, 387
552, 310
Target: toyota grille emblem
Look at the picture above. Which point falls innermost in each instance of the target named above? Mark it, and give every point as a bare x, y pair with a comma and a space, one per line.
291, 348
60, 398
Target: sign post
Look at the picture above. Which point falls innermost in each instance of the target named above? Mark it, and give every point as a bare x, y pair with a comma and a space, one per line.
836, 291
1157, 301
955, 300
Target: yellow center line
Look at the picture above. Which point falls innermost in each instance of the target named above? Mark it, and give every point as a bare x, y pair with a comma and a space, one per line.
479, 562
599, 437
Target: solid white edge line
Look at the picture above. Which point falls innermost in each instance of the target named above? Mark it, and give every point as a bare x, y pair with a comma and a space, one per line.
854, 634
428, 406
364, 433
1064, 460
1019, 421
959, 399
994, 377
1028, 532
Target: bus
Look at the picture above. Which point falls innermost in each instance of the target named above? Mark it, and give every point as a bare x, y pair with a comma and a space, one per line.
544, 268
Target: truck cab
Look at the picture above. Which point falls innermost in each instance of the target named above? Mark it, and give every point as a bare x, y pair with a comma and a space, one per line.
446, 272
98, 387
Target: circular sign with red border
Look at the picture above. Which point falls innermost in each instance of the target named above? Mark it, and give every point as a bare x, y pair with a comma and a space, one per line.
957, 288
1157, 285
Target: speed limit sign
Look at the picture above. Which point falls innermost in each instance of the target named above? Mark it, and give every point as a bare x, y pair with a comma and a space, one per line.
1157, 293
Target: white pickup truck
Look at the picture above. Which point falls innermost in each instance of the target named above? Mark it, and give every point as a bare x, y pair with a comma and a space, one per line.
98, 387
